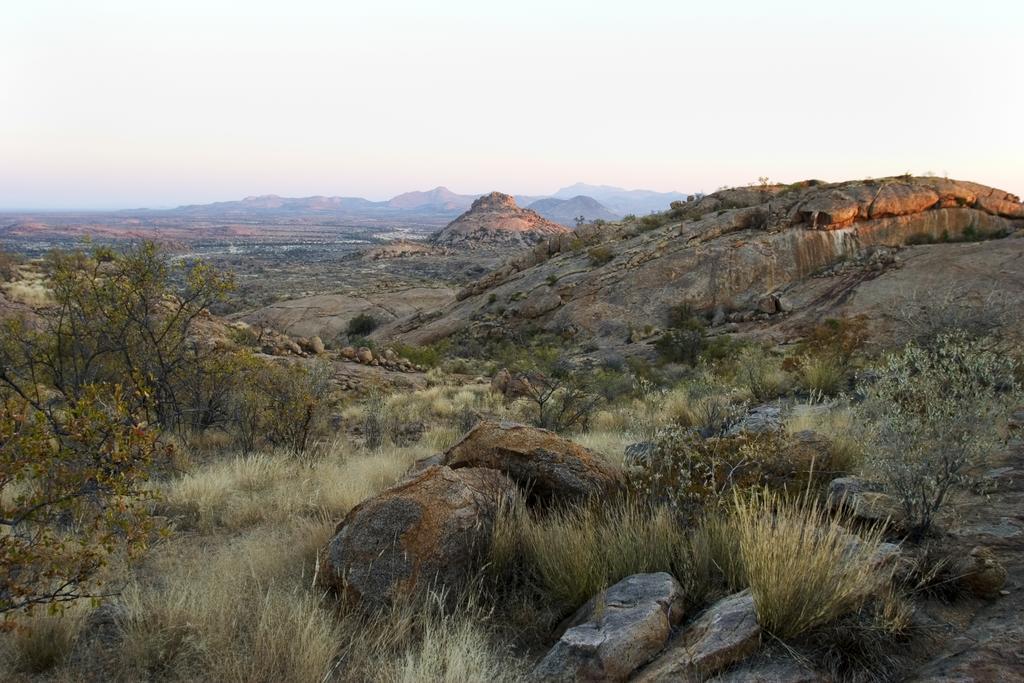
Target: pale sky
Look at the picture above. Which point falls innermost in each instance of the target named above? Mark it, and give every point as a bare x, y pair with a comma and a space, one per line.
128, 103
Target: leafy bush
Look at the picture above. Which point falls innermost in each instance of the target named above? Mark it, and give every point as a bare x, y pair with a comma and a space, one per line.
118, 319
430, 355
691, 473
8, 266
72, 490
934, 414
361, 325
282, 405
680, 346
652, 221
85, 389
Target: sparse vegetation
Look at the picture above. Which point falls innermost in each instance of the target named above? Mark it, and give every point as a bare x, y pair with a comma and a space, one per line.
600, 255
934, 415
361, 325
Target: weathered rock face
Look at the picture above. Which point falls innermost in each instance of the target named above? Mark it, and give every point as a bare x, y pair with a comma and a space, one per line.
428, 530
725, 634
864, 500
736, 248
780, 671
495, 220
616, 632
549, 467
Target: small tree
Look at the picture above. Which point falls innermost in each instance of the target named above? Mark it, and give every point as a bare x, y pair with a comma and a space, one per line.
71, 491
933, 415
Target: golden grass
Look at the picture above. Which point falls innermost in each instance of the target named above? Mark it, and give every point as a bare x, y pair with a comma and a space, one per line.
838, 424
574, 554
823, 374
41, 641
239, 493
803, 568
714, 557
29, 292
241, 611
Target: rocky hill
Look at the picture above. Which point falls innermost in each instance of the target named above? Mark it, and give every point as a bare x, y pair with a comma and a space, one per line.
566, 211
620, 200
749, 255
439, 199
495, 220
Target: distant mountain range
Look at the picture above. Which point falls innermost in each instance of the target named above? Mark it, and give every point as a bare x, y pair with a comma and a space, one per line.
566, 211
590, 201
620, 201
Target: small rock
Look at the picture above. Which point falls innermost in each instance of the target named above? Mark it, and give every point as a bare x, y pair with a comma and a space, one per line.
616, 632
718, 317
638, 453
364, 355
349, 353
982, 573
760, 419
724, 634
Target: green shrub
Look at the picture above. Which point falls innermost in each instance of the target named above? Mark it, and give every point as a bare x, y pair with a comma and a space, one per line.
652, 221
600, 255
680, 346
429, 356
281, 405
758, 372
8, 266
361, 325
935, 414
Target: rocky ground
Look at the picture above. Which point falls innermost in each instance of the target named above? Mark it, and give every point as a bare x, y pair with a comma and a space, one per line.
737, 250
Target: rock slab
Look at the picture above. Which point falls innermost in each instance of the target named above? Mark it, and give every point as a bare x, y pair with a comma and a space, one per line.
724, 634
616, 632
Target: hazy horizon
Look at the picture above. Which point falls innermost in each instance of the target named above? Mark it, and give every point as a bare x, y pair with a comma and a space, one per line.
120, 104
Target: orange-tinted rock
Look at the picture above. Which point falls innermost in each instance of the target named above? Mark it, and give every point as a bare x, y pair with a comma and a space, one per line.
429, 530
550, 468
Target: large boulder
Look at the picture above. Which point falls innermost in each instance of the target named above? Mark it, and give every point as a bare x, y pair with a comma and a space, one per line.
616, 632
428, 530
549, 467
724, 634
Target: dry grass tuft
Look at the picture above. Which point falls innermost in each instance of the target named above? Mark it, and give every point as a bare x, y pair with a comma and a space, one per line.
803, 568
574, 554
41, 641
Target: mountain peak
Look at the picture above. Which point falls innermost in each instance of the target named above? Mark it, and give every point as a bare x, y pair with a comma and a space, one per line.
496, 220
494, 201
